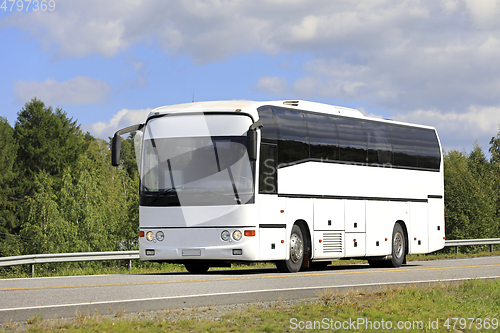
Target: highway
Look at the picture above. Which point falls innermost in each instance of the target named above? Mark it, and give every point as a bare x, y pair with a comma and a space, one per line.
108, 294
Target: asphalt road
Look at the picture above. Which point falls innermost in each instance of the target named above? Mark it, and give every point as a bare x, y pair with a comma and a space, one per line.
56, 297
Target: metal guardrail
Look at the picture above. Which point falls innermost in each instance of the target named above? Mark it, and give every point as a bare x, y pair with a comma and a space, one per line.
465, 242
33, 259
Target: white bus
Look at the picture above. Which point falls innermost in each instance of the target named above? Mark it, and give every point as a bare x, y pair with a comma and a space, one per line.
291, 182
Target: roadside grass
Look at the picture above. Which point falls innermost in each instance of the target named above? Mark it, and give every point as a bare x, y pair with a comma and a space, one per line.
432, 308
138, 267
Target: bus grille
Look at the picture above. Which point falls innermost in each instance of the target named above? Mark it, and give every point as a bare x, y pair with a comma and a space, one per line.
332, 242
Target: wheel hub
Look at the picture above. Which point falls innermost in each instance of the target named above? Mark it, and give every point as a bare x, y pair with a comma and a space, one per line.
398, 245
296, 248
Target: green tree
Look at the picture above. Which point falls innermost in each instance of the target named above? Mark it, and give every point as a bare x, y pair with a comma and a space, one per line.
48, 141
129, 229
495, 149
470, 199
8, 151
44, 229
495, 171
95, 198
70, 199
127, 154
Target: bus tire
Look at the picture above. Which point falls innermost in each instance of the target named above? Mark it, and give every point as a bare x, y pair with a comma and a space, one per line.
196, 267
294, 262
398, 252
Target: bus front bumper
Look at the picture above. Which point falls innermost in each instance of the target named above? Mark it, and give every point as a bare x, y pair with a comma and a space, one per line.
181, 244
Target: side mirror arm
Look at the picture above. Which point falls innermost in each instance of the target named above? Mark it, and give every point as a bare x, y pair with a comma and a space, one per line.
252, 139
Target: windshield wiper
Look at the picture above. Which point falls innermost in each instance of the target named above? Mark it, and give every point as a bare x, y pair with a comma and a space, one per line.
173, 192
167, 192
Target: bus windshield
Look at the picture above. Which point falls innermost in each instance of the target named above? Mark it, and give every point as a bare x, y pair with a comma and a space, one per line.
195, 171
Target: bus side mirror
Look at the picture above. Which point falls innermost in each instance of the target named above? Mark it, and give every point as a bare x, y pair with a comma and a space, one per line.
252, 145
116, 146
116, 143
252, 140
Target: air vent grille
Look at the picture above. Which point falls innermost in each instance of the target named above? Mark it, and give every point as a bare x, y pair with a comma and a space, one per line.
291, 103
332, 242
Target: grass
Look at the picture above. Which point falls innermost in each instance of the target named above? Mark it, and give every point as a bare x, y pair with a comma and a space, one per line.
423, 309
138, 267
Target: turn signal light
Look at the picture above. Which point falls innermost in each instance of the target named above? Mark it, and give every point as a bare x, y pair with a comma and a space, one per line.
141, 233
249, 233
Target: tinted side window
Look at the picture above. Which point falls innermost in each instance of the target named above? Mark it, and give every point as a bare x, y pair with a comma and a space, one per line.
379, 143
429, 156
323, 137
268, 176
293, 139
403, 146
352, 140
268, 131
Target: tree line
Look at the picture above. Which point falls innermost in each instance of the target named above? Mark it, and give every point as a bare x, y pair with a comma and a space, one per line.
59, 192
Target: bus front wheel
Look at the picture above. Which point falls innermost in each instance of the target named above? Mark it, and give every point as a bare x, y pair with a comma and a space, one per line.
294, 262
196, 267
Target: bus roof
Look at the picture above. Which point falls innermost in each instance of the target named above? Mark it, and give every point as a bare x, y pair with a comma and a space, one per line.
251, 107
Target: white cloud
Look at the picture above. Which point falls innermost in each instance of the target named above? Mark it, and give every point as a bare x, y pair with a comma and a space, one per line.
398, 56
121, 119
484, 13
479, 123
450, 6
307, 30
212, 30
78, 90
272, 84
325, 79
77, 28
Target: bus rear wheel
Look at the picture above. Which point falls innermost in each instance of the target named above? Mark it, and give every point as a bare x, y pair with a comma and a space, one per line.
398, 252
294, 262
196, 267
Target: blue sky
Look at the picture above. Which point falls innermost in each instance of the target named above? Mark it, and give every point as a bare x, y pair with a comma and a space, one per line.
107, 63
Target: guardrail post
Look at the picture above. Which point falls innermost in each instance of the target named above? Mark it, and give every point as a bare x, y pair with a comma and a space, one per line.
130, 265
491, 248
32, 270
456, 249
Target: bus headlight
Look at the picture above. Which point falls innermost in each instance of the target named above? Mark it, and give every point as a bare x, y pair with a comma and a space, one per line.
237, 235
225, 235
160, 236
150, 236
